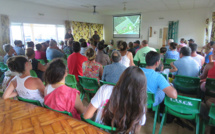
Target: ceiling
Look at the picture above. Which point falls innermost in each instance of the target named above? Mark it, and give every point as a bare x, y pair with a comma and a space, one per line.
111, 7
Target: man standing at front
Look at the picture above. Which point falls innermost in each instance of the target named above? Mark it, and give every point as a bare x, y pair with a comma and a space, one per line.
96, 37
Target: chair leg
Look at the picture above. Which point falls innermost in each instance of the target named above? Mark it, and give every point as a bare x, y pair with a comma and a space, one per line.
203, 127
155, 120
82, 96
88, 97
162, 122
158, 114
197, 125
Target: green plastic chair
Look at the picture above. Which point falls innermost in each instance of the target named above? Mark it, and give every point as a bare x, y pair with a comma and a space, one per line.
182, 107
33, 73
166, 66
142, 65
158, 50
88, 83
103, 127
168, 61
3, 67
63, 112
165, 75
35, 102
41, 61
211, 120
187, 85
210, 87
49, 60
1, 93
136, 63
70, 81
150, 102
105, 82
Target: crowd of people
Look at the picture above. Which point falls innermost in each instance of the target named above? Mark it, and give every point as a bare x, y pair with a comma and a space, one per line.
114, 104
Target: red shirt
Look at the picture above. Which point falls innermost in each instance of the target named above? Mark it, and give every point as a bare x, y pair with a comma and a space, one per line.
74, 62
211, 72
40, 55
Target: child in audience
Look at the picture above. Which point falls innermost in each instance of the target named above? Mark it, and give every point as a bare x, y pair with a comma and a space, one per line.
58, 96
121, 106
24, 85
162, 53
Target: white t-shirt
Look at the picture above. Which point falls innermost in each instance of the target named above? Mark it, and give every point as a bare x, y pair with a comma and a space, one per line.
198, 59
101, 99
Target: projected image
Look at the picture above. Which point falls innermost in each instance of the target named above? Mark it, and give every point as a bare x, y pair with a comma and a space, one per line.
127, 26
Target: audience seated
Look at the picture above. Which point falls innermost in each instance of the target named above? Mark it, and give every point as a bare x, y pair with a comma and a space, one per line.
101, 57
110, 48
18, 47
163, 51
128, 95
140, 46
172, 53
61, 45
131, 48
182, 44
40, 54
141, 54
9, 52
186, 65
36, 65
113, 71
91, 68
83, 48
45, 45
166, 71
24, 86
68, 48
208, 52
136, 45
126, 56
191, 41
58, 96
200, 59
30, 44
75, 61
53, 51
168, 44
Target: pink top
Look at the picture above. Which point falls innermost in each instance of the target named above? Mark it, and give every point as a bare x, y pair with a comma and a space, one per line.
63, 99
183, 45
40, 55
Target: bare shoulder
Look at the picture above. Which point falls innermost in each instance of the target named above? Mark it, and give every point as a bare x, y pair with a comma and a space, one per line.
33, 80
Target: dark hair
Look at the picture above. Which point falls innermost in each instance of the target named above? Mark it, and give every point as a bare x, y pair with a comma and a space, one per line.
29, 52
55, 71
111, 42
47, 41
127, 106
163, 50
83, 44
130, 44
185, 51
38, 47
17, 64
151, 58
76, 46
182, 39
145, 42
159, 67
82, 40
212, 43
30, 44
17, 42
52, 43
193, 47
122, 46
101, 45
116, 56
173, 45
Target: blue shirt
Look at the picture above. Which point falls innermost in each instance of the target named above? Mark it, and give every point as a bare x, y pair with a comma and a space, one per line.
167, 47
187, 66
112, 72
172, 55
19, 50
53, 53
6, 57
155, 84
207, 57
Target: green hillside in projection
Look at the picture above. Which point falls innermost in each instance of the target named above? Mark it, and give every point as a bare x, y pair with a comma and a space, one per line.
126, 25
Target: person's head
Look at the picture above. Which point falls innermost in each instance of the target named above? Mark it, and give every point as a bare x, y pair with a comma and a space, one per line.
212, 44
122, 46
19, 64
55, 72
115, 56
30, 53
95, 32
111, 42
30, 44
163, 50
18, 43
160, 67
53, 43
82, 40
182, 40
61, 43
136, 43
90, 54
69, 31
130, 44
191, 41
76, 47
170, 41
153, 59
84, 44
44, 46
119, 111
144, 43
193, 47
173, 45
185, 51
69, 43
100, 46
8, 49
39, 47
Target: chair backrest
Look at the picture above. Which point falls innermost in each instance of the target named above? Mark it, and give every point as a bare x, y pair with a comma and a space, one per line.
183, 107
49, 60
41, 61
165, 75
3, 67
210, 87
71, 81
136, 63
104, 127
91, 84
35, 102
168, 61
63, 112
33, 73
212, 115
142, 65
150, 100
187, 85
105, 82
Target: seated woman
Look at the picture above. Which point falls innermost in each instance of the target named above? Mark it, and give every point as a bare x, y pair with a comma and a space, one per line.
24, 85
127, 57
36, 65
208, 52
83, 48
172, 53
40, 54
91, 68
116, 104
58, 96
101, 57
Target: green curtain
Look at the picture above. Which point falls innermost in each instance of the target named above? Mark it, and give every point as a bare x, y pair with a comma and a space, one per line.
173, 30
213, 27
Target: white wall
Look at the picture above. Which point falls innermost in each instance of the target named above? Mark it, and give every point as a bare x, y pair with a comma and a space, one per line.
191, 24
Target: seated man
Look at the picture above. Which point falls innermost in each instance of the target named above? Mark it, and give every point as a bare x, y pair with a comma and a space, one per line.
75, 61
156, 83
141, 54
112, 72
200, 59
186, 65
53, 51
18, 47
10, 52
